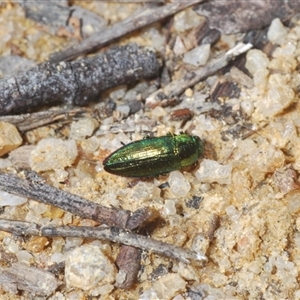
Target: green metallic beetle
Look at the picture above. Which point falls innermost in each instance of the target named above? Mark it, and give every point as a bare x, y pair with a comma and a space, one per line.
154, 156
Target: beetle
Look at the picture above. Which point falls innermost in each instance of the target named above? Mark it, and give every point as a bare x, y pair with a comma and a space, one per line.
154, 155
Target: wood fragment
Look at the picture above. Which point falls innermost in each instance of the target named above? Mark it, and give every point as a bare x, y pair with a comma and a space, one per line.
240, 16
33, 280
78, 82
36, 188
139, 20
189, 79
113, 234
128, 262
129, 258
241, 78
25, 122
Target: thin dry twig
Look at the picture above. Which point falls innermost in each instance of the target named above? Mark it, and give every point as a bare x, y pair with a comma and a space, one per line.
33, 280
35, 187
113, 234
190, 78
25, 122
141, 19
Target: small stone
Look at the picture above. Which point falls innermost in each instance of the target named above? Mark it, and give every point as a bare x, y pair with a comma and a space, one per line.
24, 257
178, 184
247, 107
53, 213
20, 156
170, 208
197, 56
102, 290
75, 295
124, 110
83, 128
279, 96
90, 145
189, 93
159, 111
186, 20
286, 179
73, 242
10, 138
87, 268
293, 202
51, 154
10, 199
36, 244
5, 163
212, 171
168, 286
179, 47
256, 61
118, 93
263, 160
277, 32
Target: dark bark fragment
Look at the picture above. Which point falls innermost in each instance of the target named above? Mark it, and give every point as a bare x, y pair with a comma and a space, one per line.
240, 16
128, 262
78, 82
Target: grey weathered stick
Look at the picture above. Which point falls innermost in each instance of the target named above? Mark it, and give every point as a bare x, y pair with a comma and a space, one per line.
31, 121
78, 82
113, 234
35, 187
189, 79
33, 280
141, 19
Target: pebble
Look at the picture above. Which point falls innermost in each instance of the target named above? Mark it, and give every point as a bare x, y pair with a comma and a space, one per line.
256, 61
179, 47
25, 257
52, 154
168, 286
35, 244
82, 128
178, 184
186, 20
10, 138
20, 156
87, 268
279, 96
10, 199
5, 163
197, 56
170, 208
212, 171
277, 32
118, 93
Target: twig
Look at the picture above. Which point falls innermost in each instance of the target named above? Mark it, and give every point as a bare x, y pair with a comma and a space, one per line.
31, 121
189, 79
113, 234
128, 262
33, 280
141, 19
78, 82
36, 188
